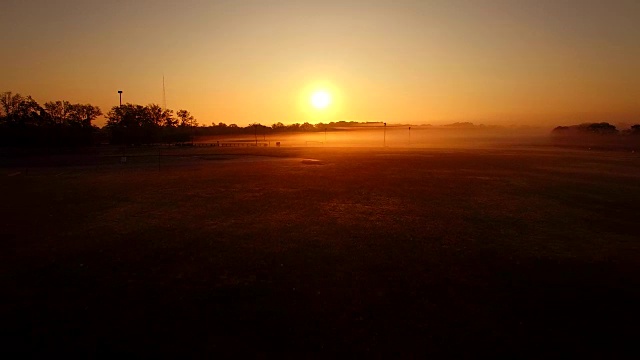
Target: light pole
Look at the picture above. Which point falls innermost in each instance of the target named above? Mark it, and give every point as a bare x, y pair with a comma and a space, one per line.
120, 92
385, 135
409, 135
255, 133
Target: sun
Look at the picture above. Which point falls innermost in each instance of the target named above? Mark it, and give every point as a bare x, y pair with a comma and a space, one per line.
320, 99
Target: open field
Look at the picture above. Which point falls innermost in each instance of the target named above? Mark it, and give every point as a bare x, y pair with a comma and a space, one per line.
203, 251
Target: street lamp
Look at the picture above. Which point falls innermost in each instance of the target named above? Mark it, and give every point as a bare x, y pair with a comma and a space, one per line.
120, 92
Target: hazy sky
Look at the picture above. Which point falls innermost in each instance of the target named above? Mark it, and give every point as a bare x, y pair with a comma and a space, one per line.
402, 61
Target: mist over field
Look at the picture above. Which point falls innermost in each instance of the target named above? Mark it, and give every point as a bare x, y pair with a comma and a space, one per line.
398, 136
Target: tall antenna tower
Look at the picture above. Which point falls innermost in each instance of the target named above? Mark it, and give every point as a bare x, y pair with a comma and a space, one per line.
164, 95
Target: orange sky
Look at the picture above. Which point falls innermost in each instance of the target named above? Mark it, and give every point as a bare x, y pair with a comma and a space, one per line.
518, 62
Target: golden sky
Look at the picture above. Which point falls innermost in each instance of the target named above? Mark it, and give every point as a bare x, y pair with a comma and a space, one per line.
403, 61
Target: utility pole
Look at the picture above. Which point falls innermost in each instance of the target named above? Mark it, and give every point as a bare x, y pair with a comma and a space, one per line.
120, 92
255, 133
385, 135
409, 135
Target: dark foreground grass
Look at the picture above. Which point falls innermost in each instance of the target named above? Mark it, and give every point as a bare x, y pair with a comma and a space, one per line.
392, 252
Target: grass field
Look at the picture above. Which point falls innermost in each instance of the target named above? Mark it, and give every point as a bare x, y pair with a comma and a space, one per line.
515, 251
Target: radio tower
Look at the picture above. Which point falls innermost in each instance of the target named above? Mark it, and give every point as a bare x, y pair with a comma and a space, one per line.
164, 96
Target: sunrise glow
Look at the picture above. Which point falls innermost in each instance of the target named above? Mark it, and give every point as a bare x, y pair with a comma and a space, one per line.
432, 62
320, 100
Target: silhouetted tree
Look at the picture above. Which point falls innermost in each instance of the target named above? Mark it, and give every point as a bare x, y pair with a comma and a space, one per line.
186, 119
55, 112
278, 126
63, 113
602, 128
461, 125
160, 116
24, 122
307, 127
81, 115
131, 124
20, 111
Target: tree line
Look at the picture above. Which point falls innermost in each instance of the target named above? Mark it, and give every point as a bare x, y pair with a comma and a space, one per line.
258, 128
601, 135
137, 124
24, 122
602, 128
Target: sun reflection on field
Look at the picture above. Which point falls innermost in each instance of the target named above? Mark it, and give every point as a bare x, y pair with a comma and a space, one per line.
396, 136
